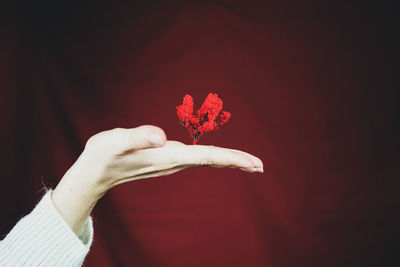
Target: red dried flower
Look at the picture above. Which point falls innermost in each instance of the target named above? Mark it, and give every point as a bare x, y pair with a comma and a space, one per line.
205, 119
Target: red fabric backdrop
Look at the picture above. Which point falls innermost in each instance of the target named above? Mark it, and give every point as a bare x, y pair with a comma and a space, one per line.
313, 92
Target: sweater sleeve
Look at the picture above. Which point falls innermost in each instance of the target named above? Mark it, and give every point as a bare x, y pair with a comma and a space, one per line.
43, 238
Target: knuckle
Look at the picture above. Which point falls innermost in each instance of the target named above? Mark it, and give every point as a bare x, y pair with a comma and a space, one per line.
131, 139
91, 141
103, 136
116, 131
205, 162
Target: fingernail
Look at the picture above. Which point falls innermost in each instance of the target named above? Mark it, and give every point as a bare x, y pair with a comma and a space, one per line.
252, 169
258, 162
155, 139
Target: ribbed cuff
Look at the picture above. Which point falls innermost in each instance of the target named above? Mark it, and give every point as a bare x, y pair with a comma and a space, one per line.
43, 238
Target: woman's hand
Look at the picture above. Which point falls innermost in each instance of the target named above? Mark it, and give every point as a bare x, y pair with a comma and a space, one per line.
121, 155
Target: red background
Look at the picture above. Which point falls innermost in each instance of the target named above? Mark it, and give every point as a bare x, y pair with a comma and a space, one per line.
313, 91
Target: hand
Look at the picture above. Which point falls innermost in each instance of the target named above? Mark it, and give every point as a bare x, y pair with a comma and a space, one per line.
121, 155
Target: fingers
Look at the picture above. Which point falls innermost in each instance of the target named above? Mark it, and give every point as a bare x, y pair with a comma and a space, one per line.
151, 174
175, 156
221, 157
256, 161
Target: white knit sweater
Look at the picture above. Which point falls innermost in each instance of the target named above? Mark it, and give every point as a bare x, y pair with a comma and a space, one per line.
43, 238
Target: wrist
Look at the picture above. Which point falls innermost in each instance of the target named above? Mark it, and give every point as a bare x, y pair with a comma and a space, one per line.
73, 205
76, 195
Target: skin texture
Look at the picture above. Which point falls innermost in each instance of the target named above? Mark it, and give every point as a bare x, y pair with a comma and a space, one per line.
122, 155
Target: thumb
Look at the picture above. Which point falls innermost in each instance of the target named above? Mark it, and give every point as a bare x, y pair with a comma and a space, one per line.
145, 136
141, 137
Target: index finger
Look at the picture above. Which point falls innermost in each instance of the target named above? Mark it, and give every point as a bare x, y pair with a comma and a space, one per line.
209, 155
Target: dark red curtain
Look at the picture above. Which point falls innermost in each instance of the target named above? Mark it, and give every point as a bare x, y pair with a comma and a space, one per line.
313, 90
